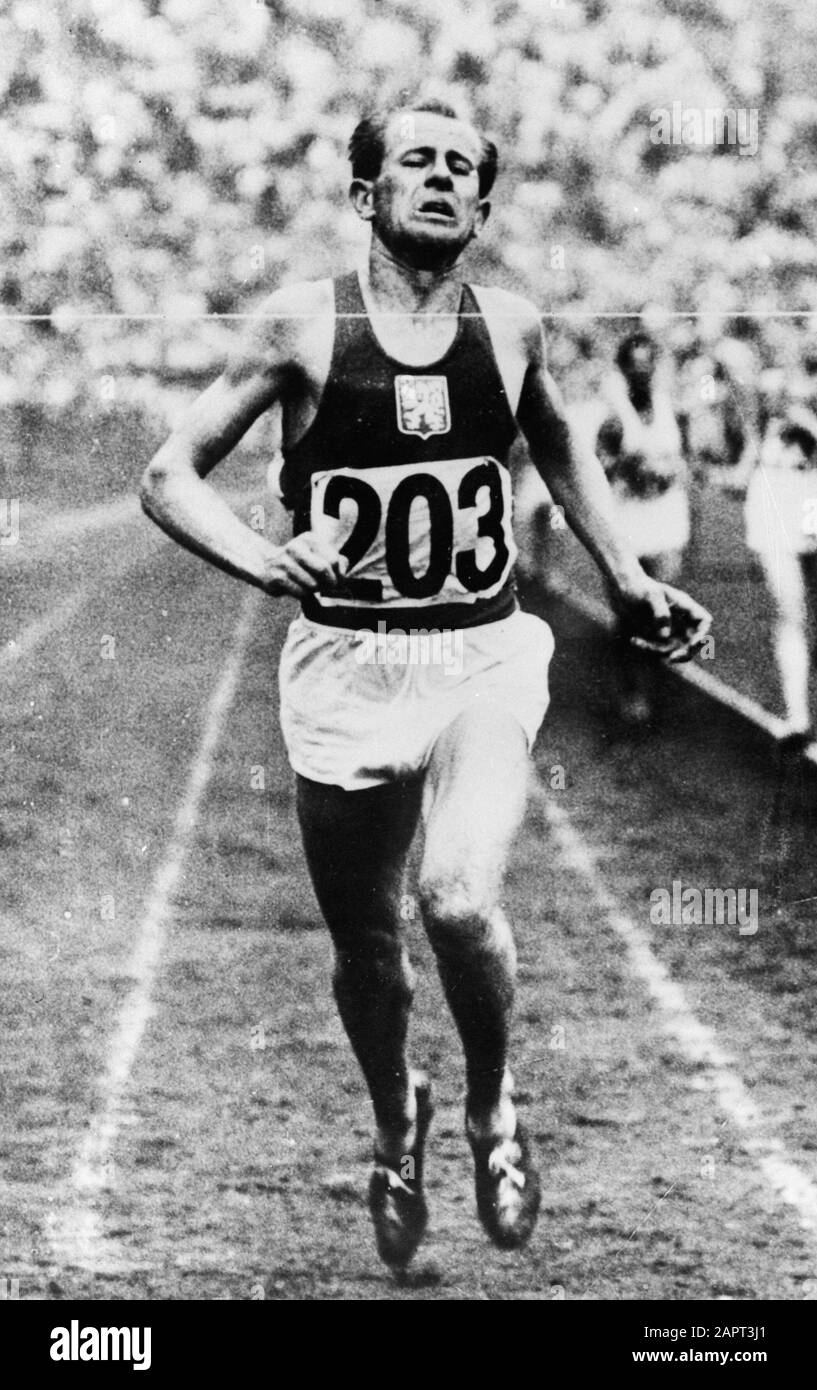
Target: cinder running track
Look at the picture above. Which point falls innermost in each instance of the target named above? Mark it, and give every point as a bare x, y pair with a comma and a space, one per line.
181, 1114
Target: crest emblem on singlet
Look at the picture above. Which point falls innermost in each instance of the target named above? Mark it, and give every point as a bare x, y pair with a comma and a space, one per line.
422, 405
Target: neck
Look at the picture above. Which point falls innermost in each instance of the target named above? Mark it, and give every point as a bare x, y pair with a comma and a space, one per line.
397, 285
641, 395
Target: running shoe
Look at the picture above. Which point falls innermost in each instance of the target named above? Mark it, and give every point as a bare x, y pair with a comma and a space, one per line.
396, 1197
507, 1188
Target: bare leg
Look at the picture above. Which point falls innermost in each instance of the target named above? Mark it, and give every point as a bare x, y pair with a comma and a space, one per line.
356, 846
784, 577
473, 803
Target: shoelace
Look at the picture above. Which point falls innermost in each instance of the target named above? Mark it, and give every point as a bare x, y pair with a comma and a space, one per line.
394, 1181
501, 1163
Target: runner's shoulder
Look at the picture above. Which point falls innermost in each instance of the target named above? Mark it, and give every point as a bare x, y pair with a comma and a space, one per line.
303, 300
511, 315
283, 326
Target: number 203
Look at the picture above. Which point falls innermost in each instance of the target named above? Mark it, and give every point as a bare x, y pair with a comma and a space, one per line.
342, 486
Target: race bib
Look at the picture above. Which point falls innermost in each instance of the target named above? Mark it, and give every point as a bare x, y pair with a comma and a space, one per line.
417, 534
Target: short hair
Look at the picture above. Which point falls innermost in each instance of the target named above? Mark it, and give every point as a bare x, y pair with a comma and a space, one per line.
801, 437
368, 143
633, 340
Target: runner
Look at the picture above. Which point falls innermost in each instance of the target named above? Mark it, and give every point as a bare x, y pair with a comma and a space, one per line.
401, 390
639, 444
781, 528
720, 415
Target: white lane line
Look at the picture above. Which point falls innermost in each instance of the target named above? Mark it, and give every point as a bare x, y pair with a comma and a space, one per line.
76, 1230
40, 530
39, 629
695, 1040
73, 524
712, 686
75, 520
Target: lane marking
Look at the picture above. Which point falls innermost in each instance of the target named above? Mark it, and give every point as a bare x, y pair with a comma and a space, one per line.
74, 523
39, 530
39, 629
712, 686
75, 1230
75, 520
695, 1040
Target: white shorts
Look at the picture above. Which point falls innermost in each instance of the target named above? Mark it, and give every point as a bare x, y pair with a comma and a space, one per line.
781, 511
653, 525
358, 710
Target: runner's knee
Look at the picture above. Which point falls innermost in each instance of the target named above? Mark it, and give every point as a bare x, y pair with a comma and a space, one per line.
362, 914
375, 962
456, 911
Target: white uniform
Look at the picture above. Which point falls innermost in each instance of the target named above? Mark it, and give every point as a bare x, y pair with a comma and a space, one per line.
653, 512
781, 503
359, 707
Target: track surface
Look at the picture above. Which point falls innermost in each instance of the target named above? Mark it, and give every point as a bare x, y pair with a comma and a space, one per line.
227, 1157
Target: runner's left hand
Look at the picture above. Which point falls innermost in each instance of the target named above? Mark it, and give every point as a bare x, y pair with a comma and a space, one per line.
659, 618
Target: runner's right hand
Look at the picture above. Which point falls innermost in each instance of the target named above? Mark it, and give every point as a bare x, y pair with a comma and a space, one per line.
303, 565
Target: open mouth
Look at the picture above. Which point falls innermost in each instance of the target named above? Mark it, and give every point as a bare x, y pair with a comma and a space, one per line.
437, 208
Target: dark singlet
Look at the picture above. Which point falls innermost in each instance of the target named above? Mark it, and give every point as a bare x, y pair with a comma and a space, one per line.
405, 469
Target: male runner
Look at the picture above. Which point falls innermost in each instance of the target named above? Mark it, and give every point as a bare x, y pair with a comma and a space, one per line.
639, 446
781, 529
401, 390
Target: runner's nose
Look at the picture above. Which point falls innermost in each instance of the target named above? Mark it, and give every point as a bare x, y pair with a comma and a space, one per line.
439, 176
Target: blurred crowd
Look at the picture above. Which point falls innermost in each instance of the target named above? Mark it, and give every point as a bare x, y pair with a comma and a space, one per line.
164, 162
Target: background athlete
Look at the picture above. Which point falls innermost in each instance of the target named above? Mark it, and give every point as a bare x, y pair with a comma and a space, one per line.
639, 446
401, 392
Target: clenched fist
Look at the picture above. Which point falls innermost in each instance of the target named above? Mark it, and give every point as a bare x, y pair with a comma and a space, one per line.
304, 564
662, 619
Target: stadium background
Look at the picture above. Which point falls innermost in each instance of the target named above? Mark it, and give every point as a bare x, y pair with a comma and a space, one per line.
163, 165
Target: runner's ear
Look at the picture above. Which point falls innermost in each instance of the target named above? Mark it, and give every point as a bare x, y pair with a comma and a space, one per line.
361, 193
482, 215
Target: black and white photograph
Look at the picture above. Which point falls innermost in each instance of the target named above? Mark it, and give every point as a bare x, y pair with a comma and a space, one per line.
408, 614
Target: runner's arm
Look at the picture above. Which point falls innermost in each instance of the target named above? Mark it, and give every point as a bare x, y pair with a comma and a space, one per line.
173, 491
570, 469
665, 620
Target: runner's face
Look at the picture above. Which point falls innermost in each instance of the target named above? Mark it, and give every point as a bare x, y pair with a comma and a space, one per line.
426, 198
641, 365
